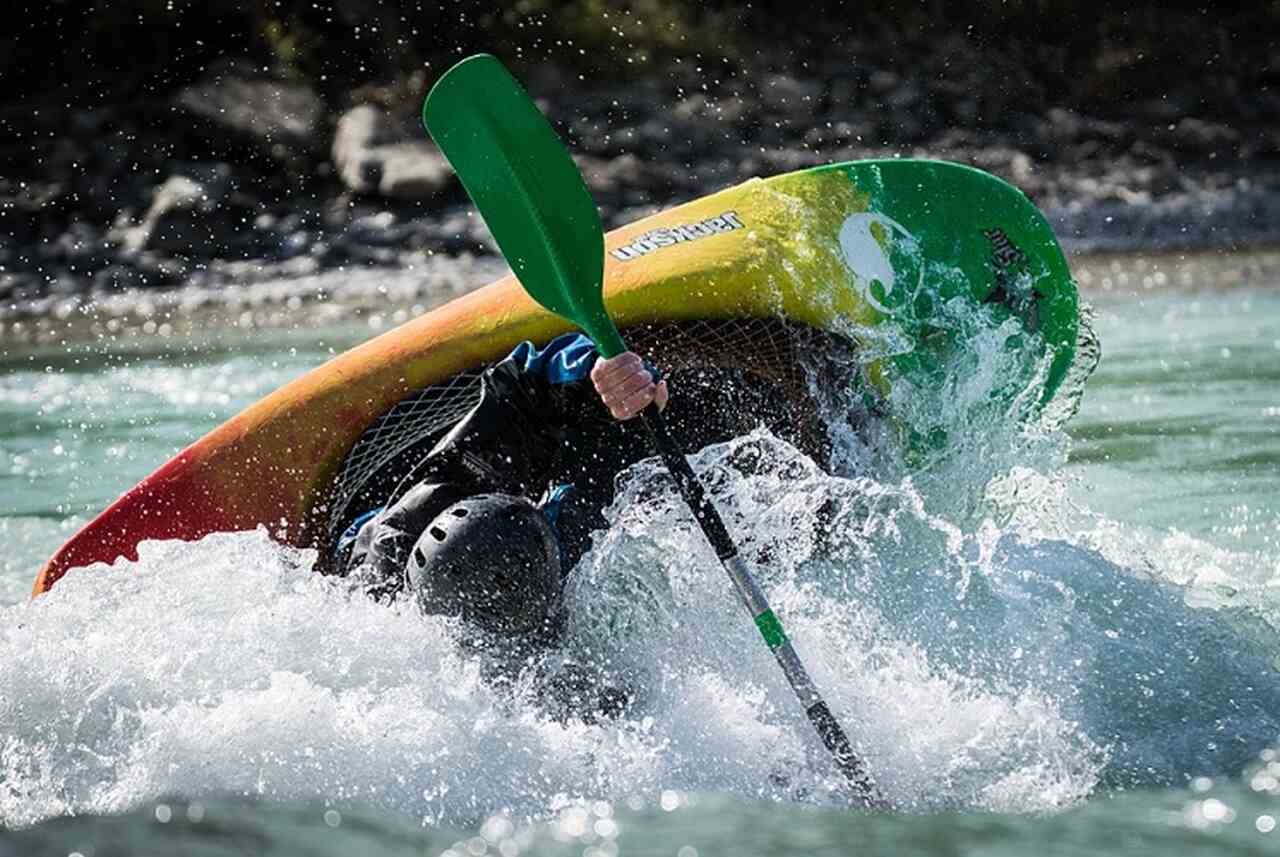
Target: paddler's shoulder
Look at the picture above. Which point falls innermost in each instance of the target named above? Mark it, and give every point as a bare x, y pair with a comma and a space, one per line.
565, 359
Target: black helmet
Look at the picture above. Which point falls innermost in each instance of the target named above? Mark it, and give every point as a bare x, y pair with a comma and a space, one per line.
492, 559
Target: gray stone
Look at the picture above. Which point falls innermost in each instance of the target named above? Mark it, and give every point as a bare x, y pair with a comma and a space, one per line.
881, 83
297, 244
790, 96
378, 230
838, 132
1198, 136
696, 106
234, 100
373, 155
1063, 126
81, 246
965, 111
177, 194
460, 230
186, 217
115, 278
9, 285
907, 96
845, 91
612, 175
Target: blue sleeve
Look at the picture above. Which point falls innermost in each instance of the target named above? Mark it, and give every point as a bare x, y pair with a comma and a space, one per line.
566, 358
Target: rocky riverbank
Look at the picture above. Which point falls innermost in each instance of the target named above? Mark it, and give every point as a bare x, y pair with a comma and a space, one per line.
242, 177
381, 298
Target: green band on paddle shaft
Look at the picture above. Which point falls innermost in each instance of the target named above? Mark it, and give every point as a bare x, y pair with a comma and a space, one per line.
771, 629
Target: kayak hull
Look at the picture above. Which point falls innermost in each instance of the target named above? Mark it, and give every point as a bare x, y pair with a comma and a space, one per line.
841, 248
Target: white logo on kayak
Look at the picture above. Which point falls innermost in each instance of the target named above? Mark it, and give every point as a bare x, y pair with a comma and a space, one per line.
866, 257
656, 239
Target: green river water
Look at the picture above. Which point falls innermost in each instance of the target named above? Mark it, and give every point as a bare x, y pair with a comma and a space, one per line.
1085, 664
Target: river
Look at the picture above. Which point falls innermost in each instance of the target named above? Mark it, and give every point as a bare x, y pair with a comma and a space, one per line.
1082, 660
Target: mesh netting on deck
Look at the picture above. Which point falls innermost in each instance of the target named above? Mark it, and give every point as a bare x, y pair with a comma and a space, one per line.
762, 358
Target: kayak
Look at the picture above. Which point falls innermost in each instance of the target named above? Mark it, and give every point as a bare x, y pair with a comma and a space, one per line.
848, 251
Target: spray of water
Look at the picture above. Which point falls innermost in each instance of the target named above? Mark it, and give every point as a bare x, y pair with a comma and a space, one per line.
986, 645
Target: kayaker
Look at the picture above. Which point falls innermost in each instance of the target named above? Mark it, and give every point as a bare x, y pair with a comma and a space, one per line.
488, 523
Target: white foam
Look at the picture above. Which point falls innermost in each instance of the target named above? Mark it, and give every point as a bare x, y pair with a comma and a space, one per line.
226, 666
982, 650
981, 668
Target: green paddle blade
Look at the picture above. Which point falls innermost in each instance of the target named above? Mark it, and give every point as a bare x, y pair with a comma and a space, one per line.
527, 189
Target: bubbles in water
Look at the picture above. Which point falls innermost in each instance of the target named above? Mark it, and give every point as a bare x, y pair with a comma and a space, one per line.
853, 567
227, 666
985, 644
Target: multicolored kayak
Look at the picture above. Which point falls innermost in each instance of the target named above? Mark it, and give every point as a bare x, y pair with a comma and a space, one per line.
862, 252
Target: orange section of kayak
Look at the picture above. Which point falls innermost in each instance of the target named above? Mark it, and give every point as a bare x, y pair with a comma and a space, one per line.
271, 465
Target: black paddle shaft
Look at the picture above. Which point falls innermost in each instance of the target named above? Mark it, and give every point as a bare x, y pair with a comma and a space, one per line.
837, 743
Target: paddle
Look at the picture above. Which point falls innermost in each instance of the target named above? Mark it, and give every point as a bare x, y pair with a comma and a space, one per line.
533, 199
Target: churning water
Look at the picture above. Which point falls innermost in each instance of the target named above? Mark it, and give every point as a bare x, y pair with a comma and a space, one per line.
1044, 638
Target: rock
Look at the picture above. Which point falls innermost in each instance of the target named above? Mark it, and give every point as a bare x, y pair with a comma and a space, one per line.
119, 277
1145, 153
176, 194
965, 111
460, 230
9, 284
1198, 136
1156, 110
702, 108
279, 117
373, 155
668, 137
652, 138
81, 246
353, 253
1062, 126
846, 88
1265, 143
297, 244
378, 230
194, 218
1067, 126
612, 175
1257, 106
839, 132
880, 83
790, 96
412, 171
909, 95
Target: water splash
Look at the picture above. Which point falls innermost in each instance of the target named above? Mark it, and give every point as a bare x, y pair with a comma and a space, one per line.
987, 644
1115, 665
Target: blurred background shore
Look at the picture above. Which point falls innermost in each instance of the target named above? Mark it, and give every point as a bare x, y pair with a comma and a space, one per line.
166, 159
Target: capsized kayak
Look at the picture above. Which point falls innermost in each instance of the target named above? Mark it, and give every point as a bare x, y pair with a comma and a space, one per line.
842, 250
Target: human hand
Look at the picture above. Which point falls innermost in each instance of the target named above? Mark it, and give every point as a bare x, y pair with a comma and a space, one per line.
625, 385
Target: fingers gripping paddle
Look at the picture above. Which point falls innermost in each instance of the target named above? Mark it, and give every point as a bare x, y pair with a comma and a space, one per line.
533, 199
